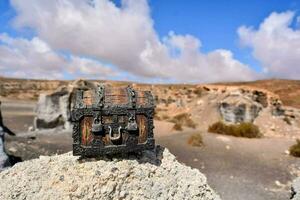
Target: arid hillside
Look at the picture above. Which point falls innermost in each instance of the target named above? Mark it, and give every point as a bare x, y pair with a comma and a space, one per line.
287, 90
26, 89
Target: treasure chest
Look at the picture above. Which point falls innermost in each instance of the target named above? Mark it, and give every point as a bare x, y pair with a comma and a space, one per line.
112, 120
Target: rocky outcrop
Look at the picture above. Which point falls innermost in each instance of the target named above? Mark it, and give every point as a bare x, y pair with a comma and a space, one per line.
53, 110
239, 107
4, 158
149, 175
295, 193
4, 162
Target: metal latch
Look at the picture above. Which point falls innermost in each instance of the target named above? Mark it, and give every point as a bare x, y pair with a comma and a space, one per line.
97, 126
112, 136
132, 125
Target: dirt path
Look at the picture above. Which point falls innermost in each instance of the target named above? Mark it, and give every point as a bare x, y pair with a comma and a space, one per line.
239, 168
18, 115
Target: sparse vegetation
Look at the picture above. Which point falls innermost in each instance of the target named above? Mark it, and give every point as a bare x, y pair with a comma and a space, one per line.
195, 140
184, 119
157, 117
177, 127
248, 130
165, 117
198, 92
287, 120
295, 149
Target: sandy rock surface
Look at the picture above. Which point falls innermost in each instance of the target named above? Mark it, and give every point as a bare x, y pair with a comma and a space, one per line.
150, 175
296, 189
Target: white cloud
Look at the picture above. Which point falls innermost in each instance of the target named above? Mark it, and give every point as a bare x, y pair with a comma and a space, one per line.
35, 59
124, 36
275, 44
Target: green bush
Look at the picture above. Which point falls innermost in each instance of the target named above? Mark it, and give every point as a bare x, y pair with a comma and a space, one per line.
244, 129
195, 140
295, 149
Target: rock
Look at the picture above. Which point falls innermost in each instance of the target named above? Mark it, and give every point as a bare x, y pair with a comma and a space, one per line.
260, 97
149, 175
295, 190
237, 107
277, 109
53, 110
4, 162
4, 157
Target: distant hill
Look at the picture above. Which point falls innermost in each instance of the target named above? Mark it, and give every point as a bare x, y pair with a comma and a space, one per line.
287, 90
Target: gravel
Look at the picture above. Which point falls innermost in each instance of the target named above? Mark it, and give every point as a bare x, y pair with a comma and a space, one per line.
148, 175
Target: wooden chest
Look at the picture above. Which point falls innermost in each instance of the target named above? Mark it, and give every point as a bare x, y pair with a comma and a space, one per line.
111, 120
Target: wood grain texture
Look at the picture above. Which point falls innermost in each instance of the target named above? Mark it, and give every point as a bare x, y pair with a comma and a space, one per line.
116, 96
86, 134
143, 128
88, 98
141, 98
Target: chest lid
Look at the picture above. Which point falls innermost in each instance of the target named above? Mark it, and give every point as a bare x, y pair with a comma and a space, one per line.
109, 96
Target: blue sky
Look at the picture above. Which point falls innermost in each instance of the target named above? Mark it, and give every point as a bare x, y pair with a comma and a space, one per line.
214, 23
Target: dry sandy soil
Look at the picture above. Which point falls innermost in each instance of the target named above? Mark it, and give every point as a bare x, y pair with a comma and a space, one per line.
236, 168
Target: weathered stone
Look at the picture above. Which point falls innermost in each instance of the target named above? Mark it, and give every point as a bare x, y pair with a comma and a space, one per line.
295, 190
149, 175
277, 109
53, 110
4, 158
237, 107
260, 97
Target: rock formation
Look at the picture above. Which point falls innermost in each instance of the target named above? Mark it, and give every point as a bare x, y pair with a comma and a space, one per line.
4, 158
295, 189
149, 175
53, 110
239, 107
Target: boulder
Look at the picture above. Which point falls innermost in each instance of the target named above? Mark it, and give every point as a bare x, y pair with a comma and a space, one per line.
149, 175
53, 110
295, 193
4, 161
4, 157
238, 107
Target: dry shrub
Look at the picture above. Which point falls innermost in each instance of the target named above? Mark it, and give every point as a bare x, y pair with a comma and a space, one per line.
184, 119
244, 129
195, 140
287, 120
295, 149
157, 117
177, 127
198, 92
165, 117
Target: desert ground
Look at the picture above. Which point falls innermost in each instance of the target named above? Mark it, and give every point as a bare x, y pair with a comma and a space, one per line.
237, 168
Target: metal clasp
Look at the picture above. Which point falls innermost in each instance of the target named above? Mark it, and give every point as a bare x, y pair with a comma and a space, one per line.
111, 136
97, 126
132, 125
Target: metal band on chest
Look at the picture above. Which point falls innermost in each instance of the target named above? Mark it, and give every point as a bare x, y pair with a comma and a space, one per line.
100, 96
132, 96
